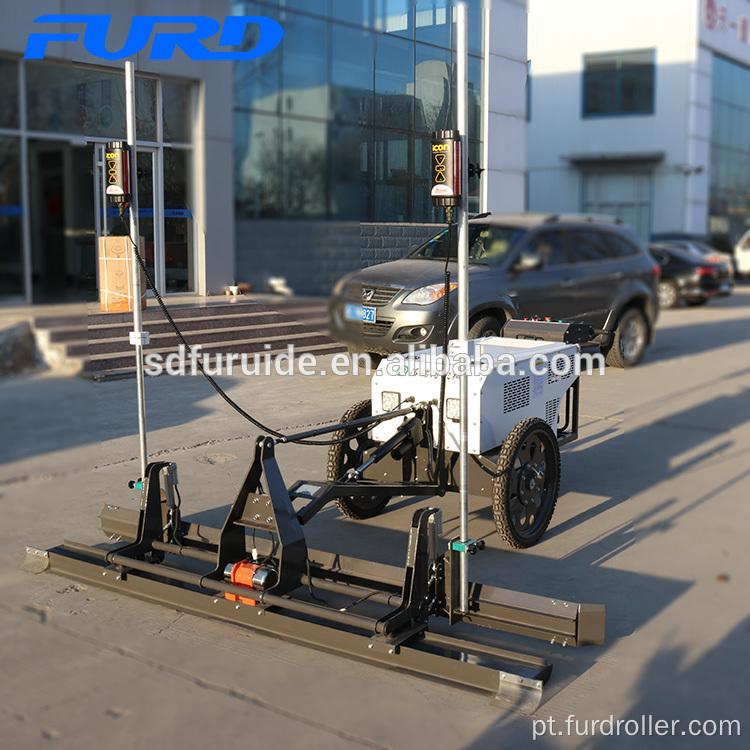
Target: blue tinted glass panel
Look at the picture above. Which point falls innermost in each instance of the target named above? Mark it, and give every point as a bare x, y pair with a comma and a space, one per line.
320, 7
729, 178
257, 159
433, 22
304, 66
391, 176
395, 17
304, 168
475, 157
349, 165
358, 12
474, 21
394, 79
474, 96
352, 69
433, 105
257, 82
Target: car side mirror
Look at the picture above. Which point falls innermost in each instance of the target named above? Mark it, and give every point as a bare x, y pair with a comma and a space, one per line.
528, 263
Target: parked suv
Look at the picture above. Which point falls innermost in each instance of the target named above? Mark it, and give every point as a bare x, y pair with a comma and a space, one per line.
575, 268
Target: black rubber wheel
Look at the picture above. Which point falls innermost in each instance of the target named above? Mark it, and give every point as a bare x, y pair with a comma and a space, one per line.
485, 326
348, 455
630, 339
527, 481
696, 301
668, 294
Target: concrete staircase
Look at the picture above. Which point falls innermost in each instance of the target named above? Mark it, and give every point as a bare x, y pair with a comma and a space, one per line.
99, 345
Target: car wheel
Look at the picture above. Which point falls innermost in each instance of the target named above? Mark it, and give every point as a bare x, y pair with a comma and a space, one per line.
629, 340
697, 301
668, 295
484, 327
527, 480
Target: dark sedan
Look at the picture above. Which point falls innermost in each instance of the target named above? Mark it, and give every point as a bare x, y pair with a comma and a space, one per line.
687, 276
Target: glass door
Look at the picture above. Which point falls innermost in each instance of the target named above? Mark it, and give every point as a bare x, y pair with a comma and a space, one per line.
150, 211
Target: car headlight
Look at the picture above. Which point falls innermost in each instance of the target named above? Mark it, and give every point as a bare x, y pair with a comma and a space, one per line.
340, 286
426, 295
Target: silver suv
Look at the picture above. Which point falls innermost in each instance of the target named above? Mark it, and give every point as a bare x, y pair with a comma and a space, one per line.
576, 268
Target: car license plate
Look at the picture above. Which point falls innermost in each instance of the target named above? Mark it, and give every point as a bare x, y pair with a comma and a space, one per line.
724, 288
359, 312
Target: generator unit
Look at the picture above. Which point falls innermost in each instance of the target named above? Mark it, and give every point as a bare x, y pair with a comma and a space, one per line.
509, 380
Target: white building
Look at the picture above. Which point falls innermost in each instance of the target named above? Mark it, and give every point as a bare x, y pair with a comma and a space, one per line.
641, 109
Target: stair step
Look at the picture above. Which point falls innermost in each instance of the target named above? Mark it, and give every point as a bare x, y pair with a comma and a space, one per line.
60, 321
100, 341
208, 324
177, 313
227, 335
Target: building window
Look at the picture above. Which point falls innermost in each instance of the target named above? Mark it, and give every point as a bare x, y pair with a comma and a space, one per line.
335, 122
618, 83
729, 187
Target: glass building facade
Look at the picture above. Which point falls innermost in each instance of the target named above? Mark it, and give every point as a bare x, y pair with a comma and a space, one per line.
54, 119
335, 123
729, 196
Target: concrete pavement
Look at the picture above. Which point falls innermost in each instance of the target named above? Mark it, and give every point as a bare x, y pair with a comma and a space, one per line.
652, 521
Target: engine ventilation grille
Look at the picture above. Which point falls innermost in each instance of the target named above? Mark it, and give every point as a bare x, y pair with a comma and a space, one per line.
553, 377
550, 413
516, 394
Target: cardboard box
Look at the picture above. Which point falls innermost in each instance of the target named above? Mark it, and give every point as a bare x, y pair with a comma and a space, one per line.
115, 274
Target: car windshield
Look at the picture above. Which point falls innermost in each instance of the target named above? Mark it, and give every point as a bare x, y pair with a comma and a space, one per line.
488, 245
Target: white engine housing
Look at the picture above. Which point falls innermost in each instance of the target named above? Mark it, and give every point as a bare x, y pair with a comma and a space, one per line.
497, 402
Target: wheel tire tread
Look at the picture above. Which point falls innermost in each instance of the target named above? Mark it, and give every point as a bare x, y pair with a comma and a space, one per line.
484, 322
335, 462
500, 484
676, 299
614, 356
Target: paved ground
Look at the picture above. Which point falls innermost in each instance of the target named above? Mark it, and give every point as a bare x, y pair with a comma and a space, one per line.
652, 521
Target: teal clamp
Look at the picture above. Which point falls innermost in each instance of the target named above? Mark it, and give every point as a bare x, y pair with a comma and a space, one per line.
472, 546
136, 485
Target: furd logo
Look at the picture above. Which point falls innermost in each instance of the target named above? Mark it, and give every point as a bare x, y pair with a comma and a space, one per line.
190, 41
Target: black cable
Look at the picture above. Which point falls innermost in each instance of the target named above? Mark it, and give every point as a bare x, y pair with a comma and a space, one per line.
175, 518
216, 386
359, 601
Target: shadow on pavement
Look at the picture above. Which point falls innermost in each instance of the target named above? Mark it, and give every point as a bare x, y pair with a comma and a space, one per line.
683, 340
